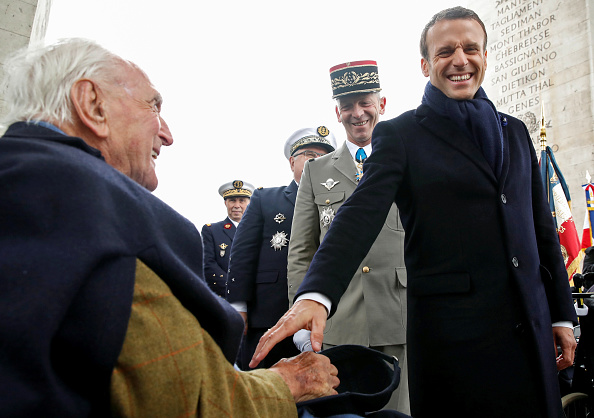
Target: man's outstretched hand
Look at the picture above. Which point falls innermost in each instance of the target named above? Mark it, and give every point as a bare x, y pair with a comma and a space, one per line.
305, 314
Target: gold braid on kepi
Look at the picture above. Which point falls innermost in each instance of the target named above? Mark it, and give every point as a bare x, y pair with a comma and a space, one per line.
354, 77
236, 188
312, 139
319, 137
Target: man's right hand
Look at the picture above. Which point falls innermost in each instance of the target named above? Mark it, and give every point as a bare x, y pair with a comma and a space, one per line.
305, 314
308, 375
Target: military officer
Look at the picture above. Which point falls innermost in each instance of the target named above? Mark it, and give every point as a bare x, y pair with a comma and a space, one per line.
257, 285
218, 237
372, 311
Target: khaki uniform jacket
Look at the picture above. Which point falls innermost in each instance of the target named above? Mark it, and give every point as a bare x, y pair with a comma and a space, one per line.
372, 311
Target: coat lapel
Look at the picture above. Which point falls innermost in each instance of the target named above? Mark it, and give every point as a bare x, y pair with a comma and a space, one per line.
448, 132
505, 167
291, 192
231, 231
343, 162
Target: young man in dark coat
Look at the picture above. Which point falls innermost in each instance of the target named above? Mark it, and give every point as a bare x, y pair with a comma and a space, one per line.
486, 278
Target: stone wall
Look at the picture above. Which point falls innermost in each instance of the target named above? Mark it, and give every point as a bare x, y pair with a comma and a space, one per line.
540, 53
21, 22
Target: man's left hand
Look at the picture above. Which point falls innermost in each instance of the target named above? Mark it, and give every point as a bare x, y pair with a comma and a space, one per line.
564, 338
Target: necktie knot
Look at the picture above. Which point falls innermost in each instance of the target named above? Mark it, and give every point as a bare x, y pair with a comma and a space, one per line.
360, 156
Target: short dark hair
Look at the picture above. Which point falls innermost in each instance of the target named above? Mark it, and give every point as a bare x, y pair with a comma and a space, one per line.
452, 13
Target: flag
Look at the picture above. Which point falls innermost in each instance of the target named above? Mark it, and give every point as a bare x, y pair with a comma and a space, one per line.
587, 240
559, 202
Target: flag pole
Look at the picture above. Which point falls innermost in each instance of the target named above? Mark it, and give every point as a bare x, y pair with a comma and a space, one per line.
543, 149
543, 130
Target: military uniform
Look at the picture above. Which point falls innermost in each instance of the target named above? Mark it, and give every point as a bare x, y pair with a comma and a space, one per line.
218, 237
258, 265
372, 311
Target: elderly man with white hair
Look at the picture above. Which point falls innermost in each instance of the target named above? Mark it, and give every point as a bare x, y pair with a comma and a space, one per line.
102, 307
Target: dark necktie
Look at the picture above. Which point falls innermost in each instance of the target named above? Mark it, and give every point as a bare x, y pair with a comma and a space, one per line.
360, 156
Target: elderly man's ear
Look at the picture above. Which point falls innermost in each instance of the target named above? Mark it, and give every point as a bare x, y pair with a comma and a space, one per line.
89, 105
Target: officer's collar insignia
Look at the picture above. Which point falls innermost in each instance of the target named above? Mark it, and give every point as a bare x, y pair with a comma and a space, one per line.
330, 183
227, 226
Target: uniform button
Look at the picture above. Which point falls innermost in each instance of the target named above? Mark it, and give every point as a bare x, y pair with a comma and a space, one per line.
515, 262
221, 275
366, 269
214, 275
214, 282
327, 201
503, 199
290, 286
520, 328
233, 279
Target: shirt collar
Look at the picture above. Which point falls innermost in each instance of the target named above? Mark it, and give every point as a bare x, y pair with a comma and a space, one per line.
49, 126
353, 148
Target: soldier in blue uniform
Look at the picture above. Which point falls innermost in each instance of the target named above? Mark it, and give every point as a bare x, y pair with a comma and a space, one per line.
218, 237
257, 285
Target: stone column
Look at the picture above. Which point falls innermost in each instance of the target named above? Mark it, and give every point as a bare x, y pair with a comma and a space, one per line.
540, 51
21, 22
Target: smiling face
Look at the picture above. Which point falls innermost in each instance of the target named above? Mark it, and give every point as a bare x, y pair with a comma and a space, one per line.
457, 59
359, 113
136, 129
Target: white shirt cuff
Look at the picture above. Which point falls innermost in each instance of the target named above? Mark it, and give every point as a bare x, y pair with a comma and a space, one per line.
240, 306
566, 324
318, 297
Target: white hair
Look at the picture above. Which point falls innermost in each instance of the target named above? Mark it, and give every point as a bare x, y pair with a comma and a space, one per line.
38, 79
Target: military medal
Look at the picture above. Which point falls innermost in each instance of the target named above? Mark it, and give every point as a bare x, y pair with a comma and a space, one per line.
279, 240
223, 247
359, 172
327, 217
279, 218
330, 183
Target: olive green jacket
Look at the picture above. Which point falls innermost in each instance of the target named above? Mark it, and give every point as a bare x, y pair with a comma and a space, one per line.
372, 311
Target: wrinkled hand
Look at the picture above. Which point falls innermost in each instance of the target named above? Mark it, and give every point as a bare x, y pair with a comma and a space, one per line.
564, 338
308, 376
305, 314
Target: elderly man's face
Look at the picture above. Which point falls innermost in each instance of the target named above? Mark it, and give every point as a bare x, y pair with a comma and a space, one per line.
457, 59
136, 129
